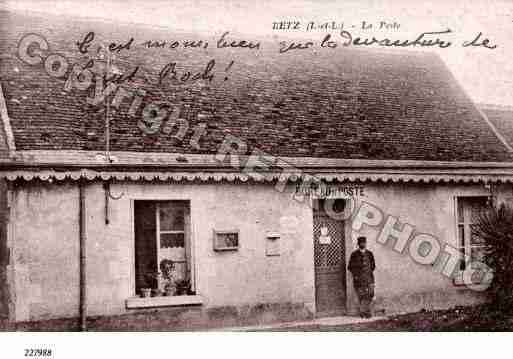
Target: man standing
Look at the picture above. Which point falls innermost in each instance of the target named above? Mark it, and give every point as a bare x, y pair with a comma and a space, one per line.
361, 266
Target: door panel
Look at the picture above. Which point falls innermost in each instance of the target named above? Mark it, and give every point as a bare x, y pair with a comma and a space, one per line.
330, 276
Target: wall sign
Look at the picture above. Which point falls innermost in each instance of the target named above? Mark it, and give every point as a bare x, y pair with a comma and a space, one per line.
324, 238
272, 246
226, 240
322, 190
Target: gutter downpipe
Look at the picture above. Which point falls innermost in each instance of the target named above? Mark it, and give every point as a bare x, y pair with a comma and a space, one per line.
82, 250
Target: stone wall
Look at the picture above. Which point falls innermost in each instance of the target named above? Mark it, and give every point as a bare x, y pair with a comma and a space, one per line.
46, 242
4, 252
45, 251
401, 283
44, 260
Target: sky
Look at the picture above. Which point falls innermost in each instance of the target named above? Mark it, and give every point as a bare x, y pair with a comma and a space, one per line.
486, 75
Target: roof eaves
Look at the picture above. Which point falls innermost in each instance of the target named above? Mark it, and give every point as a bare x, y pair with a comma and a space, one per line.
9, 137
126, 159
180, 176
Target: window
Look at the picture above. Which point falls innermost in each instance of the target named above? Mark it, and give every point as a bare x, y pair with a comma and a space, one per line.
470, 245
162, 234
226, 240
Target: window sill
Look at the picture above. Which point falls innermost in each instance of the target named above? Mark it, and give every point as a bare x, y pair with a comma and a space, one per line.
171, 301
459, 282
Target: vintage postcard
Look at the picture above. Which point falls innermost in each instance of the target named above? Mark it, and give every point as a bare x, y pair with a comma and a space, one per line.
255, 166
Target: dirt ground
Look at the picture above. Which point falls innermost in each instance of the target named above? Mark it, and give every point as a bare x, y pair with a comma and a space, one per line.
479, 318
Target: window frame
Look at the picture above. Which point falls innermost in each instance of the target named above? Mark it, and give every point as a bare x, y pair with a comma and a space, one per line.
218, 248
189, 236
159, 232
467, 235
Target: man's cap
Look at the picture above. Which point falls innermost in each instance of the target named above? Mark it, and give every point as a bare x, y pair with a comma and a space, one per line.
361, 239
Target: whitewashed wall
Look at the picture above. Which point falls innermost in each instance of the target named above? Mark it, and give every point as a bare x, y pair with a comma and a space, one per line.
43, 237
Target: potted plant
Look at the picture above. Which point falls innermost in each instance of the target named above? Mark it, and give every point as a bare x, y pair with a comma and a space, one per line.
167, 267
190, 291
149, 283
145, 292
154, 278
169, 289
183, 287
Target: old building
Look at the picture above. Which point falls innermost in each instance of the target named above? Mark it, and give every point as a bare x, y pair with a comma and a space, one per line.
254, 185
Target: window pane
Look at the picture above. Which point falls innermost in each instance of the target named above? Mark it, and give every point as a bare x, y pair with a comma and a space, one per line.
460, 202
172, 217
145, 244
476, 208
474, 238
461, 235
170, 240
462, 259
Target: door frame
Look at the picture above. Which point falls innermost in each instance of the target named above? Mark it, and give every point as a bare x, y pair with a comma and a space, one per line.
347, 237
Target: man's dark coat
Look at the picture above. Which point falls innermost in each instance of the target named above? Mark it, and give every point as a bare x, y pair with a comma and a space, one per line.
361, 266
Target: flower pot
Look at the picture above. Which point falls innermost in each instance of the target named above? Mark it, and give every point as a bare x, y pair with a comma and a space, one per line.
170, 291
145, 292
181, 290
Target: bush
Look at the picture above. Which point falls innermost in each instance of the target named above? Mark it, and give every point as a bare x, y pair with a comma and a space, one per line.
495, 227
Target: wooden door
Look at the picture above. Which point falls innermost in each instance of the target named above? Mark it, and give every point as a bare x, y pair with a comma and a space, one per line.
329, 259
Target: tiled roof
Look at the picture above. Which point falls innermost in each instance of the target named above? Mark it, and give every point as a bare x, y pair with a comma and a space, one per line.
4, 150
502, 118
342, 103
